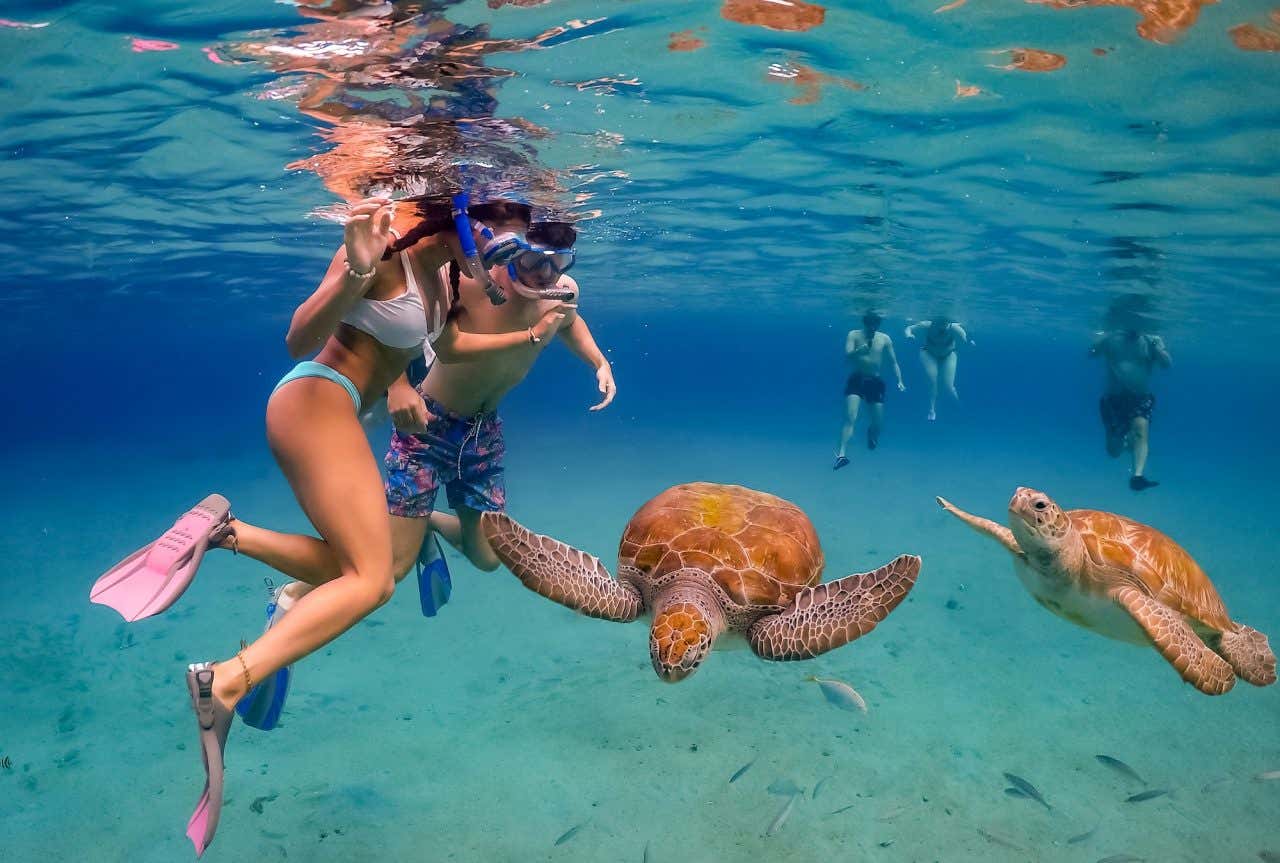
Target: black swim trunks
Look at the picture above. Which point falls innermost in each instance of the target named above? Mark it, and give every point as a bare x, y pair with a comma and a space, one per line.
1119, 410
868, 387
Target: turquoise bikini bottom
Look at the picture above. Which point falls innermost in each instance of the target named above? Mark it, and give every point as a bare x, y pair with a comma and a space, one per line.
311, 369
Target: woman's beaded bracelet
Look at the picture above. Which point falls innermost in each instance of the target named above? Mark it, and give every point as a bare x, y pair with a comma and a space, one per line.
358, 275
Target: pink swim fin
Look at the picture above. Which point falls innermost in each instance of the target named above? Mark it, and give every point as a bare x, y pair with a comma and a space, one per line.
152, 578
214, 722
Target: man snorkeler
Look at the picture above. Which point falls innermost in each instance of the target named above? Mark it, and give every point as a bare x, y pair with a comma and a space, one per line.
1131, 356
449, 433
866, 350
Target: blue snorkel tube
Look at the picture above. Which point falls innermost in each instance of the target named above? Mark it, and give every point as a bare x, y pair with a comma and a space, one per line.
462, 224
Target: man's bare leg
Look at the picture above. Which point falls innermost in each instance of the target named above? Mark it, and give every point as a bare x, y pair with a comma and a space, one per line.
1139, 437
473, 544
851, 405
873, 430
407, 536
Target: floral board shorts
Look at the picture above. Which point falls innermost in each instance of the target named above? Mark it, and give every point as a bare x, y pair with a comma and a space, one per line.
462, 453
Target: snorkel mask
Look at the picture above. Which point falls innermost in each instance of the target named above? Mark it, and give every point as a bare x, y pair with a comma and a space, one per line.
475, 266
528, 266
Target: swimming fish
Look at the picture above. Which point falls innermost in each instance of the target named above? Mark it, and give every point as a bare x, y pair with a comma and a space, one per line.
1269, 857
1120, 767
1027, 788
782, 816
816, 788
1121, 858
1001, 841
568, 834
1017, 792
741, 770
1146, 795
1081, 837
843, 809
784, 788
647, 858
840, 694
1268, 776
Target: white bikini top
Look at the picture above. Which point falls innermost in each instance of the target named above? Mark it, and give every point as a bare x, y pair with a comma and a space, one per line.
399, 322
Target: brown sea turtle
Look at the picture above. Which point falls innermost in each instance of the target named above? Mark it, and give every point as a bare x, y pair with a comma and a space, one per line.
706, 559
1129, 582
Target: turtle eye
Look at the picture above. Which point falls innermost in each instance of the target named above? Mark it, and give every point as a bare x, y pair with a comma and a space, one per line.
1041, 504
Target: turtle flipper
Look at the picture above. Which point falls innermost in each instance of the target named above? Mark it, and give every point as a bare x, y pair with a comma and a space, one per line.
827, 616
1249, 654
998, 532
1177, 641
560, 572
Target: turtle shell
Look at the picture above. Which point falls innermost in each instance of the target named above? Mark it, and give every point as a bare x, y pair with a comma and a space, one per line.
760, 549
1164, 568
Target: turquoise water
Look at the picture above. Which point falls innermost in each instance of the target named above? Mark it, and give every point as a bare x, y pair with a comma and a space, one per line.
163, 214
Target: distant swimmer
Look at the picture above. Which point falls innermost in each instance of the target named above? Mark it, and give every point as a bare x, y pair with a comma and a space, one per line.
1131, 356
938, 355
866, 349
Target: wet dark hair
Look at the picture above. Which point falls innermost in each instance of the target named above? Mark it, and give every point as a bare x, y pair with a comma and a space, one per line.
552, 235
437, 215
872, 320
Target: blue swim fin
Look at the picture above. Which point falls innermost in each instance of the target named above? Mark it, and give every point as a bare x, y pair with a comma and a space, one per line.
434, 584
261, 706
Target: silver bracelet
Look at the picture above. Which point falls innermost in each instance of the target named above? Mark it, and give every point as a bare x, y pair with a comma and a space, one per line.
362, 276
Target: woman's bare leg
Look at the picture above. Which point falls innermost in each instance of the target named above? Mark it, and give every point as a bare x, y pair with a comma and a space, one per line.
931, 369
322, 450
947, 372
300, 557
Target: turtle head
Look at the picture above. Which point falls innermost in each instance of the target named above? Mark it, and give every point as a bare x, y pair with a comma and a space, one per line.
686, 621
1038, 524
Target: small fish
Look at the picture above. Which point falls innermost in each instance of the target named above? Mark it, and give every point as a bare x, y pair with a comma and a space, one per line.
1027, 788
782, 816
1017, 792
1268, 776
821, 784
6, 762
1146, 795
1081, 837
1269, 856
647, 857
568, 834
741, 770
1121, 858
1001, 841
1120, 767
258, 802
843, 809
840, 694
784, 788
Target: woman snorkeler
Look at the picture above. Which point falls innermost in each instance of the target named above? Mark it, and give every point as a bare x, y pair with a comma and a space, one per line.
370, 315
938, 355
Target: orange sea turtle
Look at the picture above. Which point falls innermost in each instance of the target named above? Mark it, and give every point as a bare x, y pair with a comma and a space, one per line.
1129, 582
706, 559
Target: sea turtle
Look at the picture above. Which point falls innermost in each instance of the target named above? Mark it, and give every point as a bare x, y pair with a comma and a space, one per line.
1129, 582
704, 559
